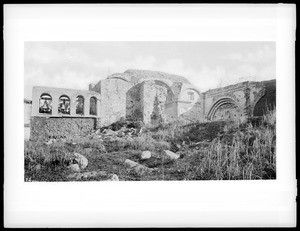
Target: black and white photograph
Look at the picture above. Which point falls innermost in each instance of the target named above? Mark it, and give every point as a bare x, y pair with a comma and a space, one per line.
139, 111
149, 115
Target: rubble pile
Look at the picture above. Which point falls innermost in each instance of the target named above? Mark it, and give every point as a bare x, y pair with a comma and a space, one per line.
125, 130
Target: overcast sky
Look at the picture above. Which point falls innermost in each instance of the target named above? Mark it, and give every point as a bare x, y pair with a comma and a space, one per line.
207, 65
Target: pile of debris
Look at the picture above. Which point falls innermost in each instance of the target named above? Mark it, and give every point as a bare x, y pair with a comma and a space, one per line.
124, 129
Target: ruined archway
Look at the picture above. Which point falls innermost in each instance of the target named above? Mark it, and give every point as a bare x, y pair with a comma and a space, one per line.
163, 107
225, 109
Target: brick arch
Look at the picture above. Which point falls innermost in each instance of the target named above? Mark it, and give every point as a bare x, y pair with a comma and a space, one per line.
220, 104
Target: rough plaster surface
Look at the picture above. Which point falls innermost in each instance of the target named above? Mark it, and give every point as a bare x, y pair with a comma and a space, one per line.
45, 128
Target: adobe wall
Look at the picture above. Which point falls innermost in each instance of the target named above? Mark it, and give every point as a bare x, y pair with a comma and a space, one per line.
45, 128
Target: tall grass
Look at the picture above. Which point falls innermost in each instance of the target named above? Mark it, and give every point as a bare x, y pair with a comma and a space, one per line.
250, 155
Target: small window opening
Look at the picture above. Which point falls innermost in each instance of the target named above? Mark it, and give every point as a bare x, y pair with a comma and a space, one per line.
191, 95
45, 104
93, 106
64, 105
80, 105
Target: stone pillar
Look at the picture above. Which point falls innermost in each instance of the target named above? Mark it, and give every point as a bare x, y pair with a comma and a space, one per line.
87, 106
55, 101
98, 107
73, 106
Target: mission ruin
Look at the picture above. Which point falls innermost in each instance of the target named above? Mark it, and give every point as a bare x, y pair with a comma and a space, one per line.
150, 97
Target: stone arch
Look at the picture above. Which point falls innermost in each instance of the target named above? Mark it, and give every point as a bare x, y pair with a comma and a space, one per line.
64, 105
80, 105
121, 78
158, 102
266, 100
45, 103
225, 109
170, 94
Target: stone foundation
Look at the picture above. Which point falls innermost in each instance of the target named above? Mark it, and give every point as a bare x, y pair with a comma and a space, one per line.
45, 128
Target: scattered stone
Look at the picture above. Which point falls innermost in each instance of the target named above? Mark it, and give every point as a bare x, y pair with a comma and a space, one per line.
113, 177
138, 168
171, 155
74, 167
81, 160
145, 155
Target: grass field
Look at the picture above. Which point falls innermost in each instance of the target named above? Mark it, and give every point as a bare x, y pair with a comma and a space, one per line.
208, 151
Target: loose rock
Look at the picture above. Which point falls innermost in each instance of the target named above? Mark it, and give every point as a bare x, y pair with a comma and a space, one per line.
81, 160
145, 155
171, 155
74, 167
113, 177
138, 168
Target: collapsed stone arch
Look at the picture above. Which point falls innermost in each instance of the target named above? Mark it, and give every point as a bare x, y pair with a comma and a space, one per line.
225, 109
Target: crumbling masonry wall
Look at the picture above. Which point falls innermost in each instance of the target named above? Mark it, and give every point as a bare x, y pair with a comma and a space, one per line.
113, 100
232, 102
45, 128
158, 102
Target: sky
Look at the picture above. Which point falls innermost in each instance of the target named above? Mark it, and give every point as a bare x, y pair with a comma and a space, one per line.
206, 65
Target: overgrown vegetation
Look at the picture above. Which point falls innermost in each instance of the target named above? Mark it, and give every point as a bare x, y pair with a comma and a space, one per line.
208, 151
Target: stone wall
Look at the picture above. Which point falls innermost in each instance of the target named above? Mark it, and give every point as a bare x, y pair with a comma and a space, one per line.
45, 128
113, 100
134, 103
232, 102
